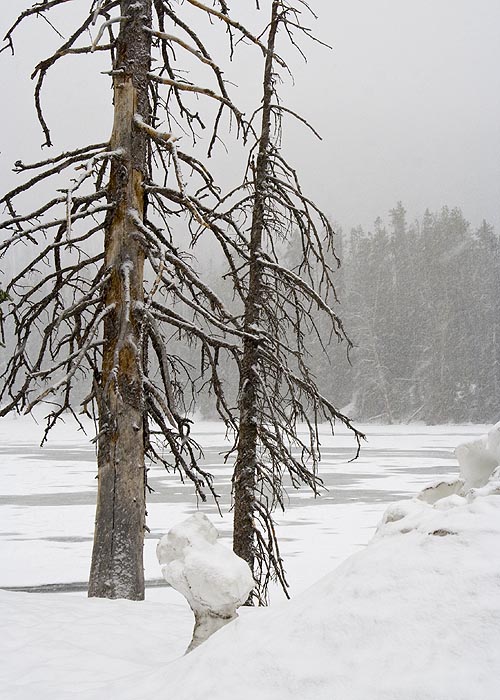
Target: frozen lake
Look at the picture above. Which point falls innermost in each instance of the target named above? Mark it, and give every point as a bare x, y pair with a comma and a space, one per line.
48, 495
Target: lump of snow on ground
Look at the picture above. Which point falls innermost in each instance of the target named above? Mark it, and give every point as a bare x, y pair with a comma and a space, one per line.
213, 579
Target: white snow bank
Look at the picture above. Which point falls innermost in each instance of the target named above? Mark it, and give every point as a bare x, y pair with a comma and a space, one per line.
60, 647
213, 579
415, 616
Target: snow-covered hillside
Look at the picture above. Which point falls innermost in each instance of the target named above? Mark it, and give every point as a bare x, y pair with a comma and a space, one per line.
413, 616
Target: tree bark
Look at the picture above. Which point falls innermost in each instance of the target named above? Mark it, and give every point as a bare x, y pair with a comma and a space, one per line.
117, 562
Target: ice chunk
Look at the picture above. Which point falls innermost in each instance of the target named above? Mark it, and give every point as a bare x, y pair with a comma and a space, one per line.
398, 510
400, 517
491, 488
442, 489
479, 458
213, 579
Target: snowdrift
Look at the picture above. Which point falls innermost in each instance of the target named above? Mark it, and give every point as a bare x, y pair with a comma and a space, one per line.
414, 616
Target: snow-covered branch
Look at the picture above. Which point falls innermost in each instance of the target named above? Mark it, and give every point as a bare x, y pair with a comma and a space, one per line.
188, 87
103, 28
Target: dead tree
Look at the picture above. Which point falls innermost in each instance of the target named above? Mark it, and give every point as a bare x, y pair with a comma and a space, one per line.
283, 309
106, 280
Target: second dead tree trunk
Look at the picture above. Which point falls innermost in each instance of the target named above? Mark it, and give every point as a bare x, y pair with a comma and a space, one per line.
117, 568
245, 470
286, 309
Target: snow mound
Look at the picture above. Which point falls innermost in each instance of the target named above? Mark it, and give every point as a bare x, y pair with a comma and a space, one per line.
207, 574
416, 615
213, 579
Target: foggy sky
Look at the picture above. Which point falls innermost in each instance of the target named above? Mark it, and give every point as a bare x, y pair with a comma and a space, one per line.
408, 104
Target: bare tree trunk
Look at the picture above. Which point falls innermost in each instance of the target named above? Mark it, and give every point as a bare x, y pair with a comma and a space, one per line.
245, 471
117, 564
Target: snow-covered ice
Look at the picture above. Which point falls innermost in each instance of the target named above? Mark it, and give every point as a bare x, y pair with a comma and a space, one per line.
47, 504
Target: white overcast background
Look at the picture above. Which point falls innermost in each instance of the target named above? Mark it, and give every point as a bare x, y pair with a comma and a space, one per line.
407, 102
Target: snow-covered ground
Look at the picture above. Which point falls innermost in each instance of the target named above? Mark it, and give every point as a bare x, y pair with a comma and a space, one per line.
414, 616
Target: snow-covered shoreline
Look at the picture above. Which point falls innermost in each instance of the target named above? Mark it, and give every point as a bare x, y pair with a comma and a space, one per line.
47, 503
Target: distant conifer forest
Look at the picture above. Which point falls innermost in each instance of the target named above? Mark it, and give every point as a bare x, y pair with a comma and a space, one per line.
420, 302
